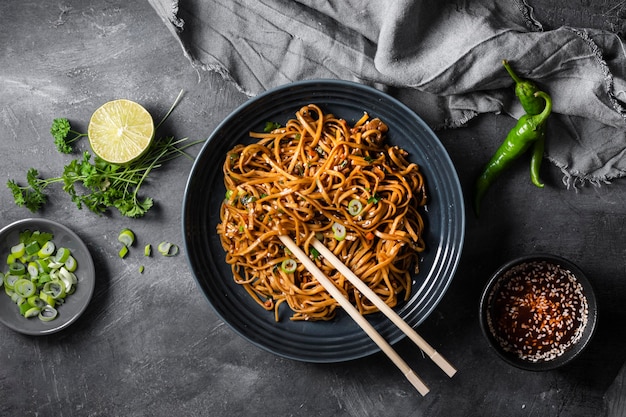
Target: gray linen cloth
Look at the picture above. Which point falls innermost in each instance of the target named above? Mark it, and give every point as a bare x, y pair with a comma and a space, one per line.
441, 58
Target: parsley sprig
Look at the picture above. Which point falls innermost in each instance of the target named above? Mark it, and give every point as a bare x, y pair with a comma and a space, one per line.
97, 184
63, 135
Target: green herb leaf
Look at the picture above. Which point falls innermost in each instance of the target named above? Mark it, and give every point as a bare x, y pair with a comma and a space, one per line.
269, 126
374, 199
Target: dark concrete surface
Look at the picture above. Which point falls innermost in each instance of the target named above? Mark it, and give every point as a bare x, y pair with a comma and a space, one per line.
150, 345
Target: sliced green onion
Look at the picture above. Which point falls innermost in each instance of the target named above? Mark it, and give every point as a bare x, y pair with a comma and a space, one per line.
33, 269
68, 278
123, 252
10, 280
46, 250
355, 207
43, 266
61, 255
127, 237
147, 250
24, 287
47, 299
289, 266
32, 312
167, 249
32, 248
17, 268
141, 268
339, 231
71, 264
36, 301
24, 307
55, 289
43, 278
18, 250
48, 313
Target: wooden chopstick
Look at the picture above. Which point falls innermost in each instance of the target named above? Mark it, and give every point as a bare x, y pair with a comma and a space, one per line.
356, 316
384, 308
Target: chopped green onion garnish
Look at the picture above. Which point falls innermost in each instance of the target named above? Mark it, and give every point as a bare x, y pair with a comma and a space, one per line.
289, 266
147, 250
355, 207
339, 231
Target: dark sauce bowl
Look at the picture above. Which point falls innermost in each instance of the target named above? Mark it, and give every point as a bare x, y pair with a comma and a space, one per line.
538, 312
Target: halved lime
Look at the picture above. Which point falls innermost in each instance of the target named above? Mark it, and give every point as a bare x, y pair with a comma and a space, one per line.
120, 131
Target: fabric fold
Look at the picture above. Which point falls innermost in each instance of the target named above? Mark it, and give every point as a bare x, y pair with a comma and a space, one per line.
443, 60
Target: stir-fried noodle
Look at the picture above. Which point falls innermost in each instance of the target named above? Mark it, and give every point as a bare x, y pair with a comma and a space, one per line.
318, 177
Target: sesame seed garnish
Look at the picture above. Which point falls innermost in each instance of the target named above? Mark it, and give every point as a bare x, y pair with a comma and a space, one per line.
538, 310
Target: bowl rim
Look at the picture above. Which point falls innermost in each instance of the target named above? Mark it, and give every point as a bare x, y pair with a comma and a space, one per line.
571, 353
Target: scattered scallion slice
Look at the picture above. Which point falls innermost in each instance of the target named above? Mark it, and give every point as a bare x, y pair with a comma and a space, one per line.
167, 249
123, 252
126, 237
147, 250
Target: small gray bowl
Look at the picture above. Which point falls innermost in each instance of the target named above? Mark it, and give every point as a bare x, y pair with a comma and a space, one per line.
74, 305
538, 312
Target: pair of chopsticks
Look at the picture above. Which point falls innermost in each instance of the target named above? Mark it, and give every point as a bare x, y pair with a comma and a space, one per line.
358, 317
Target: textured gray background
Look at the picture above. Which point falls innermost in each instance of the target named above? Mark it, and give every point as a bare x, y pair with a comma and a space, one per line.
150, 345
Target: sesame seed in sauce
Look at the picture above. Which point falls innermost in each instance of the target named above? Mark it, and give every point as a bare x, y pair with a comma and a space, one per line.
538, 310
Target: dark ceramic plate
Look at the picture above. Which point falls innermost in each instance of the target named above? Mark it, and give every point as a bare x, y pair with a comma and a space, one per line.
568, 355
340, 339
75, 304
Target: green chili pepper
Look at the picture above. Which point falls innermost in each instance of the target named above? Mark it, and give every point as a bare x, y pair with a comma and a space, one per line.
528, 130
525, 91
537, 158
